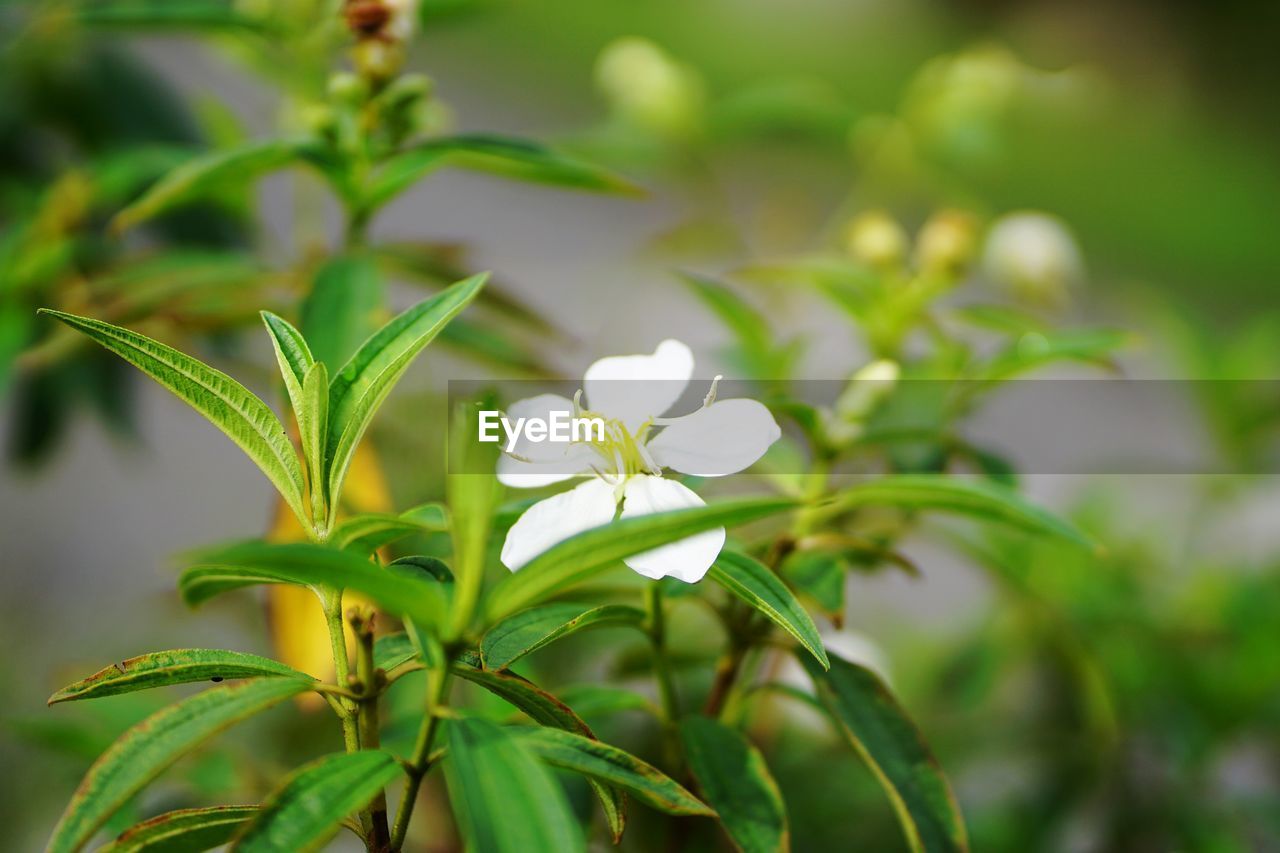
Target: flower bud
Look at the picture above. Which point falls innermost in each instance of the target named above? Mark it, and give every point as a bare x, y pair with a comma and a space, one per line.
646, 86
1033, 255
876, 239
947, 243
347, 89
867, 387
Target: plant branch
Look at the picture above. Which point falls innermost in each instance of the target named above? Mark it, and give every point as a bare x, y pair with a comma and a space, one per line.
420, 761
362, 619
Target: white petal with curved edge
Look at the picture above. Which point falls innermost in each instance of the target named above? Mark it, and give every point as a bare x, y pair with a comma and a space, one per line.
687, 559
633, 388
541, 406
724, 438
517, 474
551, 521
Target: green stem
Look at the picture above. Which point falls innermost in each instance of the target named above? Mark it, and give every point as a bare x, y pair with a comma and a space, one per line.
419, 762
341, 666
668, 698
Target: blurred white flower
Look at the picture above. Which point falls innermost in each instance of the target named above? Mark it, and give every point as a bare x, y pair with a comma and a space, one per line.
1034, 255
630, 393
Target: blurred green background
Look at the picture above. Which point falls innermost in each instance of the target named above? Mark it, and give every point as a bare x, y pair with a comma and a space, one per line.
1125, 703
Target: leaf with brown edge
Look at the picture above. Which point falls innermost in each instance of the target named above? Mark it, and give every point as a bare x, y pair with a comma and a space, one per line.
611, 765
888, 742
308, 807
145, 751
183, 830
546, 709
176, 666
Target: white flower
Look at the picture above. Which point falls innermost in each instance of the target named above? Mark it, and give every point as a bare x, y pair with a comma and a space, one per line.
630, 393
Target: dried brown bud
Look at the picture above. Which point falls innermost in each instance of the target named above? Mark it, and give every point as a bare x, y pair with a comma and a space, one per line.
366, 18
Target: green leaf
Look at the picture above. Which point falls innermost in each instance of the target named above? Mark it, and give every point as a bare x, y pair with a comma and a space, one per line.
392, 651
364, 382
503, 799
344, 307
580, 557
473, 491
201, 15
598, 700
183, 831
755, 584
143, 752
512, 158
820, 575
735, 780
540, 705
397, 589
208, 173
978, 498
292, 354
179, 666
367, 532
524, 632
308, 807
227, 404
613, 766
313, 422
888, 742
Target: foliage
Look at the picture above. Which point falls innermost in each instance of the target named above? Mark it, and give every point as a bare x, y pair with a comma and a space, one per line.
678, 697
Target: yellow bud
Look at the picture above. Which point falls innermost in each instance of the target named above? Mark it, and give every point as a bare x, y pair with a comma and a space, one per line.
875, 238
947, 243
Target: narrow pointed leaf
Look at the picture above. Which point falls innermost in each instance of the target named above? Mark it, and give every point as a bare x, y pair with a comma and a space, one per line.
473, 494
889, 743
580, 557
613, 766
307, 809
367, 532
204, 16
346, 304
401, 590
540, 705
504, 801
735, 780
179, 666
759, 587
512, 158
183, 831
228, 405
143, 752
313, 421
529, 630
977, 498
359, 388
208, 173
292, 354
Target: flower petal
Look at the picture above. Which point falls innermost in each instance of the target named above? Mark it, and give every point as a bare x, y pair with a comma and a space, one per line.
724, 438
547, 461
551, 521
634, 388
687, 559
